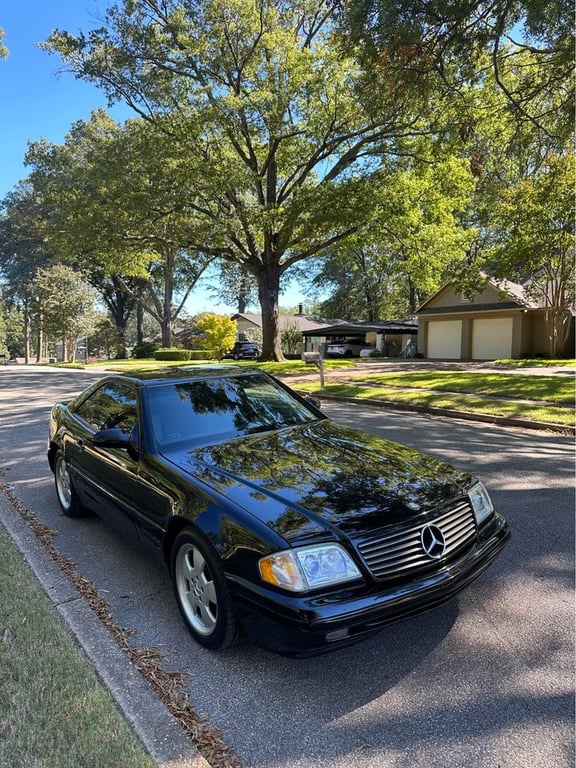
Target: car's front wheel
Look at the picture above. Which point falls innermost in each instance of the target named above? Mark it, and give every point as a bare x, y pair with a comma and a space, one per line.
201, 591
67, 497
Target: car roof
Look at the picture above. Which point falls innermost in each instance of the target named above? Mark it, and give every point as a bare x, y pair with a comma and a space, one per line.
150, 376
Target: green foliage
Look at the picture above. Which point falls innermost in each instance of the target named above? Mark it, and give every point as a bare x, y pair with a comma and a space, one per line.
22, 241
450, 44
124, 224
273, 150
536, 218
65, 305
3, 345
172, 354
219, 331
144, 350
291, 337
14, 329
387, 269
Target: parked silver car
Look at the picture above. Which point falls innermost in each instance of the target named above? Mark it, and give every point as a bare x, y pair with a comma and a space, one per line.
346, 348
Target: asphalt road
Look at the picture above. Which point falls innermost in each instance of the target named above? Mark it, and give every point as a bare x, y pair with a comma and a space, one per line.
483, 682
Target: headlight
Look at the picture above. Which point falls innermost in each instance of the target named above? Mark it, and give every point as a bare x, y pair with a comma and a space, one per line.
300, 570
481, 503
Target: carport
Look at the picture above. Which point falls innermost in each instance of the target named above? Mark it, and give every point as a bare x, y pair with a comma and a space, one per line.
388, 336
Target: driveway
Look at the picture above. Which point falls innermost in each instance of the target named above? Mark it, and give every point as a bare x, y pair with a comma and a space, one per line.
484, 681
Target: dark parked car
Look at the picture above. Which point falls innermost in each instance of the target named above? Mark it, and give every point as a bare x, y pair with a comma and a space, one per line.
269, 516
243, 350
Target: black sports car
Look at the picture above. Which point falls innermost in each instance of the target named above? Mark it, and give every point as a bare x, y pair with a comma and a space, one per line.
269, 516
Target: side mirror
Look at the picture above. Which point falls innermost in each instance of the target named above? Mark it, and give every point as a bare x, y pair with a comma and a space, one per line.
314, 402
112, 438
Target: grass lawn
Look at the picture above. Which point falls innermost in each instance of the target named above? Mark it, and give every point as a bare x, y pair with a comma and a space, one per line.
54, 711
551, 389
465, 403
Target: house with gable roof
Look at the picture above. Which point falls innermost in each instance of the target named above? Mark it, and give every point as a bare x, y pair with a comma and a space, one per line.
499, 321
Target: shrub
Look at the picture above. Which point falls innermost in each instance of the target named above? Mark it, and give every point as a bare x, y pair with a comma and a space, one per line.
219, 332
200, 354
172, 354
144, 349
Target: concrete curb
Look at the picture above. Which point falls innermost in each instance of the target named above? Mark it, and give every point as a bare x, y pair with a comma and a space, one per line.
158, 730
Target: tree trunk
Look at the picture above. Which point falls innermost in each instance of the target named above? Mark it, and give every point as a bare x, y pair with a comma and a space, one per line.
268, 292
40, 337
243, 290
26, 332
139, 321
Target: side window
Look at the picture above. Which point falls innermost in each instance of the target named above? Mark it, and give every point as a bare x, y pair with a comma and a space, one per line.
113, 405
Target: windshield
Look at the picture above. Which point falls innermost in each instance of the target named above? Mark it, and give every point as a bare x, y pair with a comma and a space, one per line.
197, 411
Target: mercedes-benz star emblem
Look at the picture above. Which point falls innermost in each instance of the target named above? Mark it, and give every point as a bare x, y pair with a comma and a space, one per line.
433, 541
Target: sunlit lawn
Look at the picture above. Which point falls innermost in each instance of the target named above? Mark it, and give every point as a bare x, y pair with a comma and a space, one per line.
552, 389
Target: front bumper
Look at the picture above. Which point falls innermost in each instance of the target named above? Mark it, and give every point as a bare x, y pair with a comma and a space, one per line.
307, 625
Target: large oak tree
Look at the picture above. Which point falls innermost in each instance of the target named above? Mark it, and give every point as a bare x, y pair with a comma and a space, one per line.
281, 150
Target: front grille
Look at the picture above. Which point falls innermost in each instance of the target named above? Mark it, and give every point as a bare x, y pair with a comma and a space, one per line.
392, 553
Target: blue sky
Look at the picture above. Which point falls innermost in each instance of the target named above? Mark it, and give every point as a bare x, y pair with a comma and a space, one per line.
42, 102
39, 101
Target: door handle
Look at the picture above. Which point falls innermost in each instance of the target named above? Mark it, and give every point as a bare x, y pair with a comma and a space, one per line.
79, 444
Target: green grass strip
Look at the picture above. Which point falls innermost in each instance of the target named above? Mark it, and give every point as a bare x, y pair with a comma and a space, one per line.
552, 389
467, 404
54, 711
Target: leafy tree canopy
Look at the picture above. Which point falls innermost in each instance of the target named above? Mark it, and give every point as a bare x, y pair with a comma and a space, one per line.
66, 304
280, 147
446, 40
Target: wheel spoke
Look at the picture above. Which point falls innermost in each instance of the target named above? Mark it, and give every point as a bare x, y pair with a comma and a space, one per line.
208, 618
199, 565
187, 568
210, 591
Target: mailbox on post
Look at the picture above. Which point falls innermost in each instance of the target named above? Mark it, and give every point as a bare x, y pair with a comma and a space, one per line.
315, 358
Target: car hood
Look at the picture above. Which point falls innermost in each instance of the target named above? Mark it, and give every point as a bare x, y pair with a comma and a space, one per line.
305, 479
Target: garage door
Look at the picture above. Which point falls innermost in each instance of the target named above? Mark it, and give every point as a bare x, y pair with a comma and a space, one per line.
492, 338
444, 339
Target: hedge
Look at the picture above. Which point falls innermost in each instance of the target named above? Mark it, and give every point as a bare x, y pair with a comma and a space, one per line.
172, 354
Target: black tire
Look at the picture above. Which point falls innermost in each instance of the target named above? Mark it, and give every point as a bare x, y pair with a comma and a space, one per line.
67, 497
201, 592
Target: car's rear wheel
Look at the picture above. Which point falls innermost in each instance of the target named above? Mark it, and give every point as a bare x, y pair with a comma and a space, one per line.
67, 497
201, 592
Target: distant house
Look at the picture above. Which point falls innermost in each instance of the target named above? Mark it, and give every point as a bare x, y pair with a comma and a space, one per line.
250, 325
500, 321
390, 337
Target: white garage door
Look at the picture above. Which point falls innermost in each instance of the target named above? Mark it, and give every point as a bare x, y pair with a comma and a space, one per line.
444, 339
492, 338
